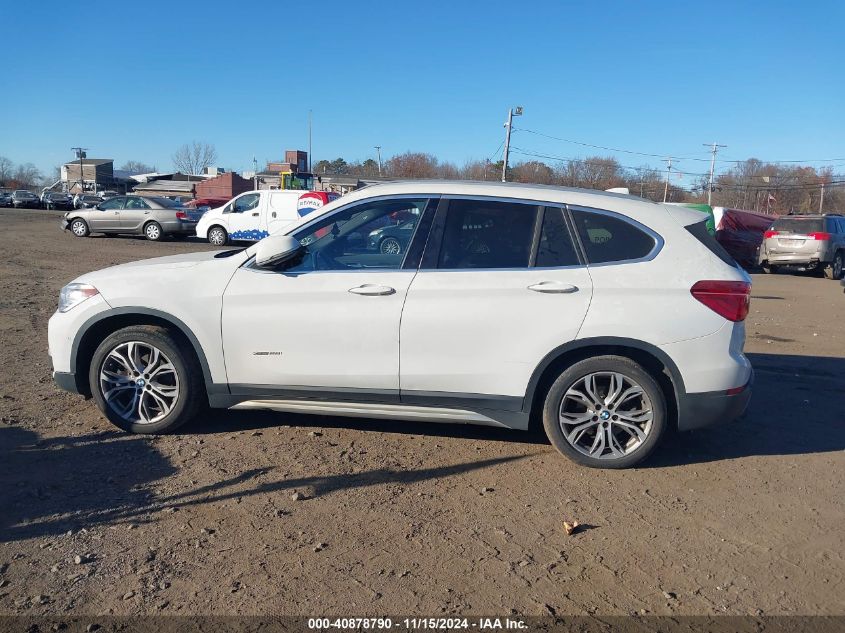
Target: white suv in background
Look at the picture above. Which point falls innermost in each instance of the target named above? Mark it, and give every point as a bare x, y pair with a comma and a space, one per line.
609, 317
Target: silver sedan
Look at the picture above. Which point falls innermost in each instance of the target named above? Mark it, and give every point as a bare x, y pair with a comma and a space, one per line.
151, 217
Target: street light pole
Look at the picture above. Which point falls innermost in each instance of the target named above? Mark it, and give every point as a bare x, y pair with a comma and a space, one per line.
715, 148
254, 174
821, 199
512, 112
378, 150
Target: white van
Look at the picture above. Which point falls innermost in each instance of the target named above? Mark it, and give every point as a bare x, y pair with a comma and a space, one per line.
256, 214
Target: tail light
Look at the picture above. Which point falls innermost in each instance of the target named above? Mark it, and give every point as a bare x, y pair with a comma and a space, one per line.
824, 237
181, 215
729, 299
769, 234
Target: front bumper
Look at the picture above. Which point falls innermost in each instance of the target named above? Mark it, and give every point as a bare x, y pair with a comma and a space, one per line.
66, 381
699, 410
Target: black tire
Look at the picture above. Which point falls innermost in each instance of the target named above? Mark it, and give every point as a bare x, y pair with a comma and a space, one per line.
217, 235
834, 269
153, 231
573, 376
79, 227
769, 269
191, 398
390, 246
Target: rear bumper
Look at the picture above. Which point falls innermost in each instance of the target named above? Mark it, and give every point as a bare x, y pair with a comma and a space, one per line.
699, 410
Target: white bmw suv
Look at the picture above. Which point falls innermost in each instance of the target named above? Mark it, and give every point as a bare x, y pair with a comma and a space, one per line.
609, 317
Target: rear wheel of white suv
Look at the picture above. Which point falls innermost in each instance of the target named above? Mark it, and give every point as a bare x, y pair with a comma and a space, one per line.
145, 380
605, 412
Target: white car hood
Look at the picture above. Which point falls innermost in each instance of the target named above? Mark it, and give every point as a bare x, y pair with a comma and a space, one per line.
160, 267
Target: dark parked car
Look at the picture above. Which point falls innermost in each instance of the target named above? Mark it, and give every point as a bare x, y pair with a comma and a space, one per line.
5, 198
86, 201
57, 200
23, 198
391, 240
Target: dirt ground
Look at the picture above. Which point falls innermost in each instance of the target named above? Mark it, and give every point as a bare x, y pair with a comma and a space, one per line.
401, 518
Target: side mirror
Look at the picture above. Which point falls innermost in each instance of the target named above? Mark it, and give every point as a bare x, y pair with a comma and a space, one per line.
273, 250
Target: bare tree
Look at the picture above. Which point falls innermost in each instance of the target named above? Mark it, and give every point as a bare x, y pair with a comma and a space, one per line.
27, 176
7, 169
193, 157
137, 167
412, 165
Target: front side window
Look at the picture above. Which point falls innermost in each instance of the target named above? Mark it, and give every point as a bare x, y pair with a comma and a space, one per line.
113, 204
368, 235
245, 203
608, 238
487, 234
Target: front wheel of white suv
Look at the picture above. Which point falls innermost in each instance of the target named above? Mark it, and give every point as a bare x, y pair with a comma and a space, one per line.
605, 412
145, 380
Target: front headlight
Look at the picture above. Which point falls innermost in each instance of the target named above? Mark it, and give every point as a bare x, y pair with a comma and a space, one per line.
74, 294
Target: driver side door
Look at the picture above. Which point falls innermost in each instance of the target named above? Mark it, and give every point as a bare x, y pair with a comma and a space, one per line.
106, 216
243, 217
329, 320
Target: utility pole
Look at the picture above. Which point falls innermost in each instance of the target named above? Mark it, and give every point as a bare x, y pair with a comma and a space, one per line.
80, 154
309, 141
821, 199
254, 174
668, 172
715, 148
378, 149
512, 112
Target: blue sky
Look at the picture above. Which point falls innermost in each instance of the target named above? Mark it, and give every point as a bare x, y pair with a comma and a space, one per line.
136, 80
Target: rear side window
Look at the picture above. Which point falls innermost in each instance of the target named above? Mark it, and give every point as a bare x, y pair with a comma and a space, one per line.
699, 231
801, 226
487, 234
608, 238
555, 247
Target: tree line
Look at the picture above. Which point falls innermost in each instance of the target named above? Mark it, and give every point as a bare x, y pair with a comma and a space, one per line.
752, 184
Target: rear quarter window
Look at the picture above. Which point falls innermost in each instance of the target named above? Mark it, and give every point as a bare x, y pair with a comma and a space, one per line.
609, 238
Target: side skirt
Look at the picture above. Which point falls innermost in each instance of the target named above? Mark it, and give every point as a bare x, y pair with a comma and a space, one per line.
485, 417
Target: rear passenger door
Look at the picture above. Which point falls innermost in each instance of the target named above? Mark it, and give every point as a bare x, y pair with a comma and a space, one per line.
501, 284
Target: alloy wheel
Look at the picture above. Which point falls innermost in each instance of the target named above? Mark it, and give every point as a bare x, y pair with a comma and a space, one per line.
153, 232
391, 246
606, 415
78, 228
139, 382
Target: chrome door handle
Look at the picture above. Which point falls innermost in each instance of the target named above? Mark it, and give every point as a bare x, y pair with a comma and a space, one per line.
553, 287
372, 290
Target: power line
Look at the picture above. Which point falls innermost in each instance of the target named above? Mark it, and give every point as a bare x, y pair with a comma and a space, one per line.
661, 156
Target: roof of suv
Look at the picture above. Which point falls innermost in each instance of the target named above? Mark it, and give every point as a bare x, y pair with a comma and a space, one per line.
540, 193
